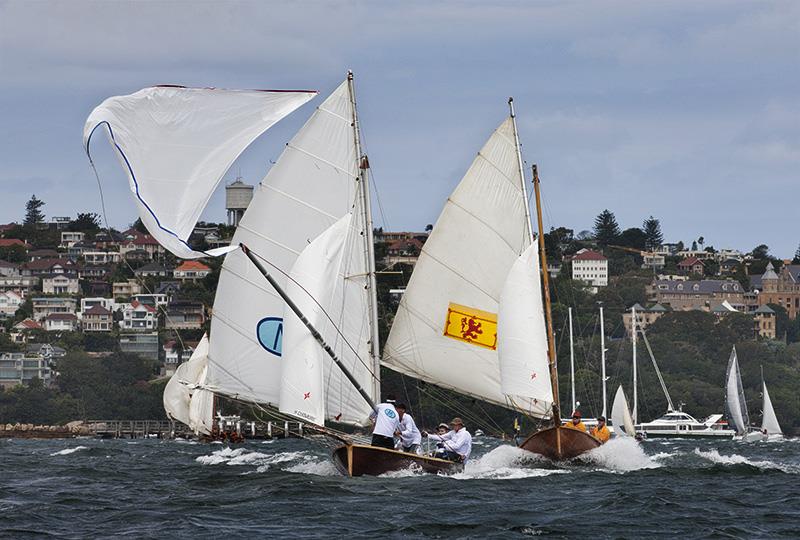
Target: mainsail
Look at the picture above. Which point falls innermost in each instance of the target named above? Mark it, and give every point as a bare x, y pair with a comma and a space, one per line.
734, 397
445, 330
621, 415
183, 399
175, 144
769, 423
314, 184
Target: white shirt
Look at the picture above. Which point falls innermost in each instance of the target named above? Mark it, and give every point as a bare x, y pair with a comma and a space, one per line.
386, 420
459, 442
409, 434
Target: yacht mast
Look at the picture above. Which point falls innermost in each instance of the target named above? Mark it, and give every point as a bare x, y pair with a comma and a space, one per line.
635, 392
571, 360
603, 360
528, 223
551, 342
363, 188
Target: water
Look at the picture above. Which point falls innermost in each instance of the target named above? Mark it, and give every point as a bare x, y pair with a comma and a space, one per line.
85, 488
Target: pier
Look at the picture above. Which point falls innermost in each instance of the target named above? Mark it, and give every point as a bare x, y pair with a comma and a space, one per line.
164, 429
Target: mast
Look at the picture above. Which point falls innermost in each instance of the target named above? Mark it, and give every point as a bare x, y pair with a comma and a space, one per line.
571, 360
363, 188
635, 392
603, 360
317, 336
551, 342
528, 223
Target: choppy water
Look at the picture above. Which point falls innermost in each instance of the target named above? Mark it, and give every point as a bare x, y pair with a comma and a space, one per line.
151, 489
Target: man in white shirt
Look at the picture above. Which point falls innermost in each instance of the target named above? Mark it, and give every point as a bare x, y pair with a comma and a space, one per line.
457, 441
410, 437
387, 422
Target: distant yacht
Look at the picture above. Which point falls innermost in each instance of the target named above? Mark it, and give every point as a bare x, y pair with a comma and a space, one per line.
678, 424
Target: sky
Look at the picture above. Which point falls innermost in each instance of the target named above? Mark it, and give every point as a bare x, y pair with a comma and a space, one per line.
687, 111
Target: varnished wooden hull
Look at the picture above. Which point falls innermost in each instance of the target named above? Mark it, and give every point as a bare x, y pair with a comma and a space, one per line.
360, 460
559, 443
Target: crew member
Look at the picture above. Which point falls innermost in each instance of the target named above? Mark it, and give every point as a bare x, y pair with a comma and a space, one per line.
600, 431
386, 423
457, 441
441, 429
576, 422
410, 437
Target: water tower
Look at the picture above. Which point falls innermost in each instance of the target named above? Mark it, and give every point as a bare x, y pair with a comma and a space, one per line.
237, 196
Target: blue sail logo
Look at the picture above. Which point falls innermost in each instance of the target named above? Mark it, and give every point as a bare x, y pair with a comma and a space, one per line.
270, 334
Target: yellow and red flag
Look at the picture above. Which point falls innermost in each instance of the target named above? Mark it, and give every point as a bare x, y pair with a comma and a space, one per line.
471, 325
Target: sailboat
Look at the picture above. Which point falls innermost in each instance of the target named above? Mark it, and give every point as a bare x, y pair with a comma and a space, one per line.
185, 399
303, 343
621, 415
472, 317
736, 407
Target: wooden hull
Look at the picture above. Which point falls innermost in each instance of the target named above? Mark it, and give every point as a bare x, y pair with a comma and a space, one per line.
361, 459
559, 443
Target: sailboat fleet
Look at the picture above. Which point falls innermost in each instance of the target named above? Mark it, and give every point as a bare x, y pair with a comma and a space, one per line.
295, 318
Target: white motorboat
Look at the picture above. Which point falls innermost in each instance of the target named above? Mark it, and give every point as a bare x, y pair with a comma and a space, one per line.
678, 424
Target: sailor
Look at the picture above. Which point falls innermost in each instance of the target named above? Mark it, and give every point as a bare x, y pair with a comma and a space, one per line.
576, 422
441, 429
600, 431
387, 422
457, 441
410, 437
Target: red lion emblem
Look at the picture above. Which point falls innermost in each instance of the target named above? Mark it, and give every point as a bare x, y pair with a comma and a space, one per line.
470, 328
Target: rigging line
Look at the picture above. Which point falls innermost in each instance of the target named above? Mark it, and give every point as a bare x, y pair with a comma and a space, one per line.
452, 405
122, 258
324, 311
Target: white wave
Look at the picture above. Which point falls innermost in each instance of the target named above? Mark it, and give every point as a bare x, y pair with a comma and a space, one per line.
311, 466
220, 456
621, 454
735, 459
67, 451
506, 462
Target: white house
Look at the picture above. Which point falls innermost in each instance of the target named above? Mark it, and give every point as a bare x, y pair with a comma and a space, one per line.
101, 257
590, 267
70, 238
60, 284
191, 270
65, 322
139, 317
155, 300
10, 302
89, 303
42, 307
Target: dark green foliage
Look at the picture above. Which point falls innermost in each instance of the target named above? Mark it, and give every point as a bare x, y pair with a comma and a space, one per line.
796, 259
33, 212
606, 229
88, 222
633, 238
139, 226
742, 277
760, 252
13, 254
652, 232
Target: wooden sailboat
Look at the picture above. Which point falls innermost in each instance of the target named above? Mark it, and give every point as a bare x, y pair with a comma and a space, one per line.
556, 442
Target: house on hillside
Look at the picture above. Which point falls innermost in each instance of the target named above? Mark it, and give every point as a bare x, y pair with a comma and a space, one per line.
765, 322
138, 317
10, 242
125, 289
782, 288
644, 316
61, 322
44, 306
152, 270
89, 302
10, 302
136, 241
101, 257
185, 315
590, 267
9, 269
21, 331
70, 238
43, 267
66, 283
97, 319
191, 271
698, 294
20, 368
691, 265
43, 254
143, 344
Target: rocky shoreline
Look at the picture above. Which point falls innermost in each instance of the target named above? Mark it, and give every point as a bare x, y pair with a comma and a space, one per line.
37, 431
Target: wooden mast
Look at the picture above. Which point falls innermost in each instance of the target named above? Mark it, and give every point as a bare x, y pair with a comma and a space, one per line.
551, 342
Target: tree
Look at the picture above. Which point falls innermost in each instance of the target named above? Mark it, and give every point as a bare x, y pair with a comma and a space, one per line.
694, 245
429, 227
139, 226
633, 238
796, 259
85, 222
701, 241
606, 229
652, 233
760, 252
33, 211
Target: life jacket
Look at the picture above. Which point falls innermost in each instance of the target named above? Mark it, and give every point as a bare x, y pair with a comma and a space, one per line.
601, 434
579, 426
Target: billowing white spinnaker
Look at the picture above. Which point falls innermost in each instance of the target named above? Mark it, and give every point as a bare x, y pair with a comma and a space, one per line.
621, 415
183, 400
175, 144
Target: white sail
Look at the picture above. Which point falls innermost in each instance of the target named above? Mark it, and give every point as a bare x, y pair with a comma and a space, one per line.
182, 386
621, 415
311, 287
770, 421
311, 187
175, 144
459, 276
522, 337
201, 406
734, 402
